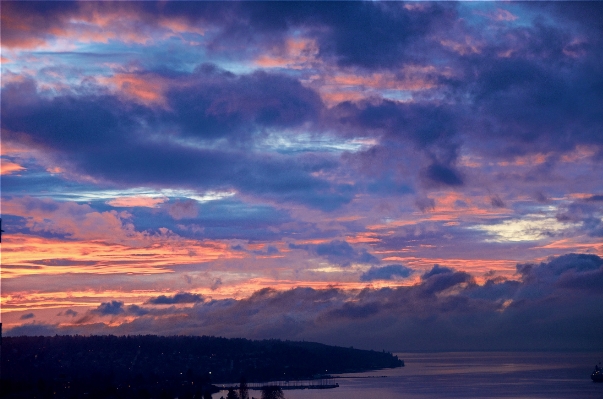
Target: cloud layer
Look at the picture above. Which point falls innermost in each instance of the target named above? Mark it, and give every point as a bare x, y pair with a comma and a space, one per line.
177, 160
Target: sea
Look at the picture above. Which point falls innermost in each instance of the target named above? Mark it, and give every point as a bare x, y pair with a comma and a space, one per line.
520, 375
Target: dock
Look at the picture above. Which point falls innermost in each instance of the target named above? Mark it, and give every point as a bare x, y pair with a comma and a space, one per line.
286, 385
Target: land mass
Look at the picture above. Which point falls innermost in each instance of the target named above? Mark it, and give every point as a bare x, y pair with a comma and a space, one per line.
160, 367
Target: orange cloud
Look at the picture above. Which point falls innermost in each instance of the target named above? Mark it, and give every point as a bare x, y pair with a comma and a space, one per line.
298, 53
338, 97
27, 255
581, 244
527, 160
344, 86
11, 148
144, 89
468, 46
366, 237
580, 154
446, 210
92, 22
8, 167
22, 28
128, 202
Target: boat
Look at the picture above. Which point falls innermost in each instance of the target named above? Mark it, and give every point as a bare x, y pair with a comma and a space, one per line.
597, 375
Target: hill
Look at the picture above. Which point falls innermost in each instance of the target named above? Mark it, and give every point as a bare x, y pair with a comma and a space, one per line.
147, 366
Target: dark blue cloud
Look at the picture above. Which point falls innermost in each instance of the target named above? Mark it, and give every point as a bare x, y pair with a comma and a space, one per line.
377, 35
543, 97
422, 123
338, 252
435, 270
112, 308
430, 128
27, 316
425, 204
227, 218
181, 297
101, 136
577, 263
355, 311
497, 202
437, 174
495, 290
586, 213
366, 34
388, 272
441, 278
595, 198
270, 250
221, 104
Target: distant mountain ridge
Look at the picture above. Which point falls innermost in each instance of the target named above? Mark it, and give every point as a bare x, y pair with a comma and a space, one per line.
153, 363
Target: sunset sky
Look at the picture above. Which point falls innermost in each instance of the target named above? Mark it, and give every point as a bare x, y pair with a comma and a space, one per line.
385, 175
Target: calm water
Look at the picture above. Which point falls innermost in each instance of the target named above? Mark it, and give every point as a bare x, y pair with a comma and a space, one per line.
470, 375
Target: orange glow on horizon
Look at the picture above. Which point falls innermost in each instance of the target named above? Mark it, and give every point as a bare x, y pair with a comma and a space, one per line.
25, 255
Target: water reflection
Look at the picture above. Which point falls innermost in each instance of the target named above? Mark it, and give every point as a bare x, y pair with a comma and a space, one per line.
470, 375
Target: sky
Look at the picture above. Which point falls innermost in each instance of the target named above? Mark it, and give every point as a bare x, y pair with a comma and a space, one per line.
405, 176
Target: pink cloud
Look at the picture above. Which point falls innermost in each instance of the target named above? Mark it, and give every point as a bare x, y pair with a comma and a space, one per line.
129, 202
143, 89
500, 15
9, 167
183, 209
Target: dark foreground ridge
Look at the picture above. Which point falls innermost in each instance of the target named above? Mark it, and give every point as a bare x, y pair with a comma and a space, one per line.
165, 367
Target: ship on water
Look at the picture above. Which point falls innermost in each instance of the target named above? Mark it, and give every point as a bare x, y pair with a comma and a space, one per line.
597, 375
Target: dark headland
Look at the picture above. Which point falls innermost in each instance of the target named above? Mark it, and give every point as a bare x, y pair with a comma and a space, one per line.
165, 367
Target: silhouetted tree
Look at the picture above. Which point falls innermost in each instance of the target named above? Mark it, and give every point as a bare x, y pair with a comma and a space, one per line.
232, 394
243, 390
272, 393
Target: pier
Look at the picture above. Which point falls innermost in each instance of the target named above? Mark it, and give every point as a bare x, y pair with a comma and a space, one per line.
325, 383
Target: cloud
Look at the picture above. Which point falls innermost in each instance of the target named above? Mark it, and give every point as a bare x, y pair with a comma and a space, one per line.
70, 219
270, 250
558, 266
445, 309
183, 209
9, 167
236, 106
112, 308
318, 121
496, 202
439, 279
435, 270
425, 204
181, 297
388, 272
216, 284
115, 151
27, 316
126, 202
376, 35
437, 174
586, 213
338, 252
